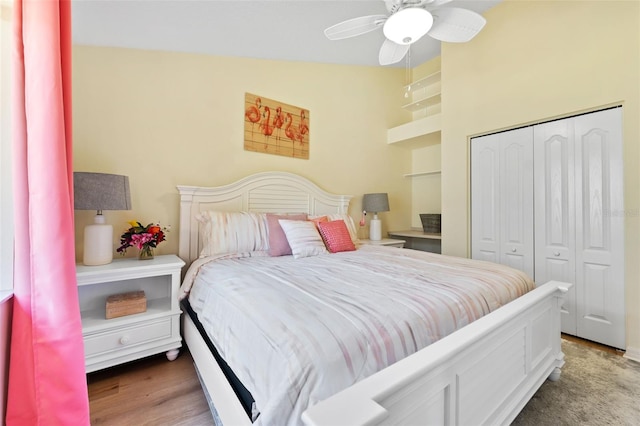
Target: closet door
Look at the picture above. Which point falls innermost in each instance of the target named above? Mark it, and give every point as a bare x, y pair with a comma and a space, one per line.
502, 199
579, 221
516, 199
600, 225
485, 207
555, 211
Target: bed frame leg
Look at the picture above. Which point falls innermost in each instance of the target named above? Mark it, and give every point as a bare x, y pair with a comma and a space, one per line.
173, 354
555, 374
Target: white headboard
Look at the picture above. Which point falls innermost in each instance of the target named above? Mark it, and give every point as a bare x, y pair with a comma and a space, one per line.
267, 192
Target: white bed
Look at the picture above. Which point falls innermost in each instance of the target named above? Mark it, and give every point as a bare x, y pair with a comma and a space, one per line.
483, 373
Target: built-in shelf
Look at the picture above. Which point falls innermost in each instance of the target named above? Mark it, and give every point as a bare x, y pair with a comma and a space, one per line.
418, 240
433, 172
423, 103
414, 129
425, 106
423, 82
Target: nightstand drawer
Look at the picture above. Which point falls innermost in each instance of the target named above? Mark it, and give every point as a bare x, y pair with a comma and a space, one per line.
124, 337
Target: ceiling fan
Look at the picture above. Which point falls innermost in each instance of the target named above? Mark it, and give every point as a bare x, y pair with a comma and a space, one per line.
407, 22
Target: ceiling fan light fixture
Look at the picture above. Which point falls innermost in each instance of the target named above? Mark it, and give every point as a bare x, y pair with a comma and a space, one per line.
407, 25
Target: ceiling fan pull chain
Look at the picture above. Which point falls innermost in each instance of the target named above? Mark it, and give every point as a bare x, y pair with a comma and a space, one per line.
407, 74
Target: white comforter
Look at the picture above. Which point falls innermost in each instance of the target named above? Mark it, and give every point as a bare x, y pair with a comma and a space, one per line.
296, 331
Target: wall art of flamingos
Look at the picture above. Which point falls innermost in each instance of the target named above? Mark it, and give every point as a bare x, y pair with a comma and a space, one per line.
252, 112
274, 127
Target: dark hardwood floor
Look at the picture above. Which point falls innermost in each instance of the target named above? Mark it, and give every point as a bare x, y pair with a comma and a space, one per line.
154, 391
150, 391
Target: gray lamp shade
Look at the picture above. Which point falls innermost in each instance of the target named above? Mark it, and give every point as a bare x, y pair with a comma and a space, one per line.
375, 203
101, 191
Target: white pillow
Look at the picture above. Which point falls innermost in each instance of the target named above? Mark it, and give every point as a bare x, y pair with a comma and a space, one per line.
303, 237
232, 232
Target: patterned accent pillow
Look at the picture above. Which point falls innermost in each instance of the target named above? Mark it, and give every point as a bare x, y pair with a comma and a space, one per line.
278, 244
351, 226
348, 220
303, 237
232, 232
336, 236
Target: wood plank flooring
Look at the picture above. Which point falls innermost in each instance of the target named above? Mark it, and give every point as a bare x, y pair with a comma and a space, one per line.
154, 391
151, 391
593, 345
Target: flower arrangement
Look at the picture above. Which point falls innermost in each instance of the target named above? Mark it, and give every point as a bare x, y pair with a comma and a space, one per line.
144, 238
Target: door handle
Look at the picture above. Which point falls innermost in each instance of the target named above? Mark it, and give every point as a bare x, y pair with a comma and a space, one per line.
556, 254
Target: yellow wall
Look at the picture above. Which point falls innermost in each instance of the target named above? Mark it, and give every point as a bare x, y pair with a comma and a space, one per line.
145, 114
425, 189
167, 119
537, 60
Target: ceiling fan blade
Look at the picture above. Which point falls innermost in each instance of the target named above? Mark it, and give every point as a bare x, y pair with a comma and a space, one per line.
436, 3
391, 52
354, 27
455, 25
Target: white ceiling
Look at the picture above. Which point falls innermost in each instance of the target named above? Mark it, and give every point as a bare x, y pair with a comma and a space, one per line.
267, 29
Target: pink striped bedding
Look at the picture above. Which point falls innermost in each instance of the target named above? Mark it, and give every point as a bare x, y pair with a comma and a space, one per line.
296, 331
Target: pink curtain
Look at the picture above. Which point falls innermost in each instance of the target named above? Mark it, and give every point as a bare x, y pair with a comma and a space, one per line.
47, 382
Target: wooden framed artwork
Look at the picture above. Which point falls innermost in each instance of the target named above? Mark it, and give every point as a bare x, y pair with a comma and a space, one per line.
276, 128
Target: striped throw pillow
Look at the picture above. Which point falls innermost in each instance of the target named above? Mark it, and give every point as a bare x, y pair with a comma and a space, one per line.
303, 238
232, 232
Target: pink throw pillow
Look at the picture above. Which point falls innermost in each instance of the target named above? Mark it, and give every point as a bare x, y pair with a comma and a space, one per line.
336, 236
318, 219
278, 244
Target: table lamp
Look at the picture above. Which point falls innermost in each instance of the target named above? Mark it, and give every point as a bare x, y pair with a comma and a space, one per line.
100, 191
378, 202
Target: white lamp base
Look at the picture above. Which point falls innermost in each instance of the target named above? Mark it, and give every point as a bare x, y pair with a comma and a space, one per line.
98, 243
375, 229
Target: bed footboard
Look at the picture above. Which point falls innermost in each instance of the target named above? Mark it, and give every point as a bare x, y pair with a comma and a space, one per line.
484, 373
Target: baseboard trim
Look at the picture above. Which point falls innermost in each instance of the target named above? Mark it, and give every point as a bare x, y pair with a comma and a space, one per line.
632, 354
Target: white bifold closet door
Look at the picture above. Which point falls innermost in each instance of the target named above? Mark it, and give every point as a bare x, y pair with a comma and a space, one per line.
502, 199
569, 173
579, 220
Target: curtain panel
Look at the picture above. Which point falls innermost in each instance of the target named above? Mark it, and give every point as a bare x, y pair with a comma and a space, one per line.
47, 381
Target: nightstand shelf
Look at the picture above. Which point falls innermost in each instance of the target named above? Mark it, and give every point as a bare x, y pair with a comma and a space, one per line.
113, 341
94, 320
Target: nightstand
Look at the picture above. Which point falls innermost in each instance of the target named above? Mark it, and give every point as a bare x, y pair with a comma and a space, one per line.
385, 242
109, 342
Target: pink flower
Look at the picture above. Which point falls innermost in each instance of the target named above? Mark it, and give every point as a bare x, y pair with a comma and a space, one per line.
139, 240
142, 237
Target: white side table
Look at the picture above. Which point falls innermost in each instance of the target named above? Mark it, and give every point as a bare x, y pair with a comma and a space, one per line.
109, 342
385, 242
